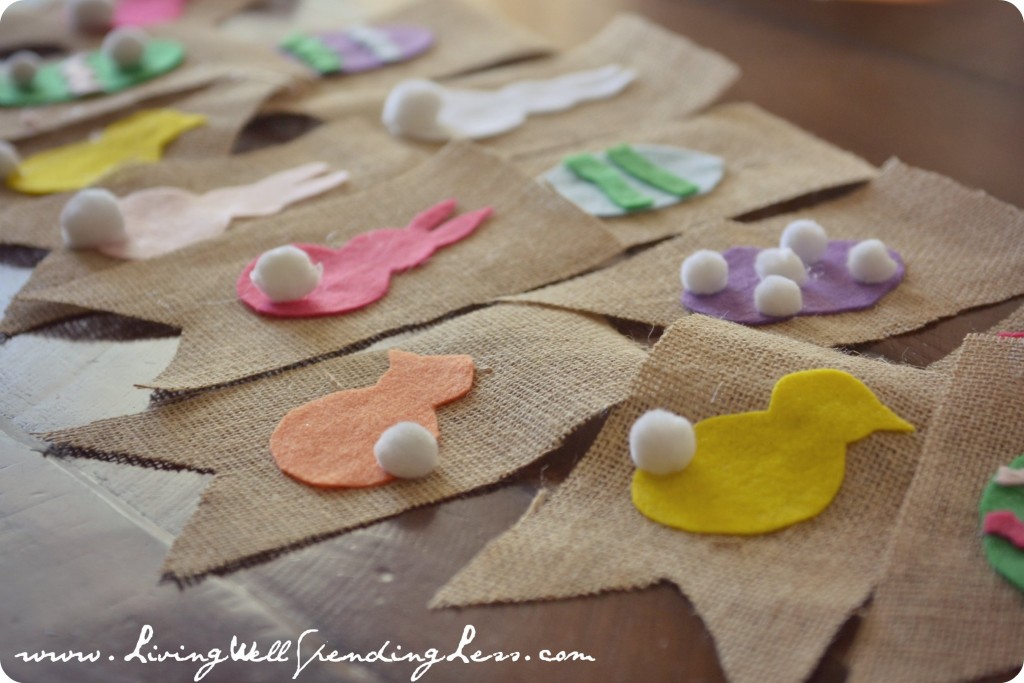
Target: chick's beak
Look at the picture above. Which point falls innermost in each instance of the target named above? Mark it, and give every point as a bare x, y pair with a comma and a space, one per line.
888, 421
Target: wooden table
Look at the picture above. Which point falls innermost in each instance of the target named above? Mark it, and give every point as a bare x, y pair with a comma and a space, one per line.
940, 86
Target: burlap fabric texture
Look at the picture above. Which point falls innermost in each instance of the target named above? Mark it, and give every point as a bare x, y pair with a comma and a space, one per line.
772, 603
962, 249
533, 237
675, 77
354, 145
767, 161
210, 55
942, 613
467, 37
540, 373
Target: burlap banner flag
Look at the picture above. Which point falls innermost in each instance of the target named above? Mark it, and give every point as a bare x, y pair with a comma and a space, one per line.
539, 374
941, 613
532, 238
962, 249
767, 161
354, 145
675, 77
773, 602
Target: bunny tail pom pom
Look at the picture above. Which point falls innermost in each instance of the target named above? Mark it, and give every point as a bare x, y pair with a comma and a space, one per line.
782, 261
90, 15
406, 450
778, 297
807, 238
286, 274
412, 109
661, 442
704, 272
92, 218
21, 67
9, 159
869, 262
125, 46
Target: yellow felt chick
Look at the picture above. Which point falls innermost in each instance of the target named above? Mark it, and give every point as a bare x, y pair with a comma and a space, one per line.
757, 472
137, 138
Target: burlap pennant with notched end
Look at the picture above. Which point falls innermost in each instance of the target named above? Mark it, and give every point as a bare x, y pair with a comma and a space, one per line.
532, 238
210, 56
466, 38
773, 602
539, 374
941, 612
663, 60
356, 146
767, 161
962, 249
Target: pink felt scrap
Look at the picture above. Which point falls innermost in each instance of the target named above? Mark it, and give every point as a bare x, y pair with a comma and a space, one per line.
147, 12
1012, 335
1005, 524
359, 272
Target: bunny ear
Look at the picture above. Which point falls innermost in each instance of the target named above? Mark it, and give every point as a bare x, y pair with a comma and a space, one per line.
275, 192
433, 217
316, 186
460, 227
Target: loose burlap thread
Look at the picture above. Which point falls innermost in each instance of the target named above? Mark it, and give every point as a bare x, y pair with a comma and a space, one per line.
767, 161
540, 373
534, 237
466, 38
942, 613
962, 249
773, 603
663, 61
354, 145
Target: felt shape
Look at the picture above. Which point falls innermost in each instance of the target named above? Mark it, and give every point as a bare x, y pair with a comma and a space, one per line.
330, 442
359, 273
286, 274
658, 163
608, 180
92, 73
424, 110
407, 450
704, 272
830, 288
1003, 532
147, 12
777, 296
92, 218
661, 442
140, 137
758, 472
638, 166
160, 220
1005, 524
805, 237
1012, 335
1007, 476
359, 48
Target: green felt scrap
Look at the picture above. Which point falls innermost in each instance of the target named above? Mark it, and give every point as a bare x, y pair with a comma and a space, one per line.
626, 158
313, 52
609, 181
50, 86
1005, 558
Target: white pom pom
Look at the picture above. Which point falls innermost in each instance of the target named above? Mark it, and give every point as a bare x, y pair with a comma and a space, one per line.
807, 238
704, 272
125, 46
782, 262
92, 218
406, 450
286, 274
21, 67
90, 15
778, 297
869, 262
412, 109
661, 442
9, 159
